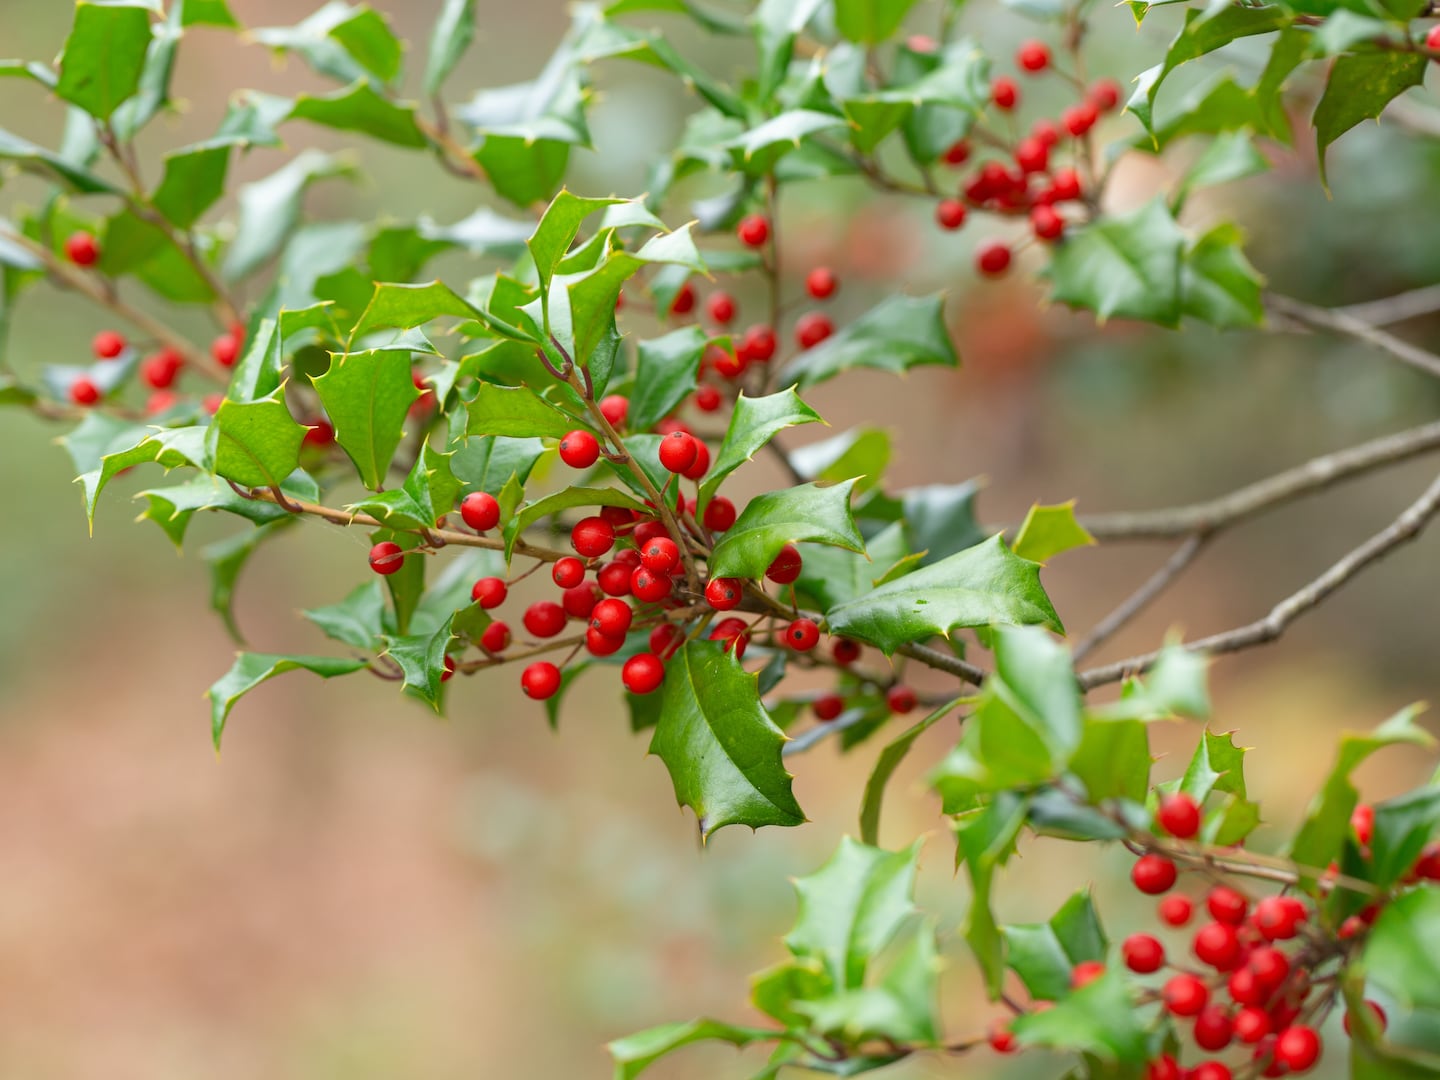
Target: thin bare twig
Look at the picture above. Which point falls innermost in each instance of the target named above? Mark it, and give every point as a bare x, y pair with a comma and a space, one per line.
1398, 308
1137, 601
1336, 321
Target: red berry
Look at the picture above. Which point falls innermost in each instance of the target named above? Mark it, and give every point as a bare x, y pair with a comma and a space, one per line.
1078, 119
726, 363
489, 592
643, 673
1143, 953
319, 433
735, 633
660, 554
447, 669
1227, 905
992, 258
827, 706
1432, 39
386, 557
1004, 93
212, 403
1218, 945
1033, 56
592, 537
225, 349
1298, 1048
950, 213
160, 400
759, 343
614, 578
1270, 965
1001, 1038
579, 449
1245, 988
720, 514
957, 154
802, 635
1085, 972
159, 370
900, 699
707, 399
649, 530
677, 451
1276, 919
495, 638
598, 644
701, 464
580, 600
1211, 1070
544, 618
540, 680
665, 639
480, 511
107, 344
821, 283
615, 408
650, 587
1376, 1012
1105, 94
1046, 132
1163, 1068
1352, 927
1179, 815
568, 572
1046, 223
921, 43
1185, 995
684, 301
721, 307
811, 329
1362, 822
612, 618
786, 566
1251, 1024
1213, 1028
82, 249
725, 593
83, 391
1153, 874
1427, 867
1066, 185
844, 652
753, 230
1032, 155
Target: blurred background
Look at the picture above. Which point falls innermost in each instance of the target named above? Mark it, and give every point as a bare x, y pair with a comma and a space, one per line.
355, 889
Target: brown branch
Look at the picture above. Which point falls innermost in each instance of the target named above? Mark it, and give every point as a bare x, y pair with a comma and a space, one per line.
1393, 309
1402, 530
1337, 321
1137, 601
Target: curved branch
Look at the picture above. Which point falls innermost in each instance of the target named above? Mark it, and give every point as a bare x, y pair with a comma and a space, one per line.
1137, 601
1338, 321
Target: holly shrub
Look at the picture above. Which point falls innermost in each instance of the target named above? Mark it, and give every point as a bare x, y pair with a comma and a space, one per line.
575, 406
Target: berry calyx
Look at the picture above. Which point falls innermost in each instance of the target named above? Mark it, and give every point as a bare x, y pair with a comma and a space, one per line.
678, 451
540, 680
480, 511
786, 566
827, 707
1143, 953
615, 408
720, 514
568, 572
592, 537
1033, 56
643, 673
992, 258
495, 638
1185, 995
950, 213
489, 592
545, 618
724, 594
107, 344
802, 635
82, 249
721, 308
386, 557
821, 283
900, 699
753, 230
1297, 1048
1178, 815
579, 449
1153, 874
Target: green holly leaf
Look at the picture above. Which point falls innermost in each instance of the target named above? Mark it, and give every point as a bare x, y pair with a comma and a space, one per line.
817, 513
1231, 155
516, 412
1125, 265
1360, 86
635, 1053
208, 13
985, 839
1403, 826
568, 499
358, 620
523, 170
169, 448
1099, 1018
104, 56
753, 423
899, 333
557, 230
1113, 760
777, 23
1217, 765
368, 38
487, 463
1400, 957
885, 766
1050, 530
939, 519
1044, 954
141, 248
270, 210
153, 91
428, 493
757, 150
252, 669
193, 181
985, 585
367, 396
257, 442
403, 306
358, 107
422, 659
721, 749
832, 576
226, 559
316, 39
665, 370
1217, 282
899, 1007
870, 21
454, 30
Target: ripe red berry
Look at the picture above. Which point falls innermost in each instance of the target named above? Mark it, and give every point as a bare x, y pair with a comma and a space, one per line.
1065, 186
1185, 995
720, 514
957, 154
614, 578
495, 638
701, 465
1004, 93
1033, 56
684, 300
1078, 119
212, 402
480, 511
159, 371
992, 258
82, 249
1427, 867
544, 618
612, 618
1376, 1013
1153, 874
665, 639
1178, 815
1432, 39
1227, 905
1164, 1067
650, 587
1213, 1028
786, 566
1105, 93
677, 451
1251, 1024
707, 398
643, 673
1002, 1039
802, 635
225, 349
827, 706
950, 213
107, 344
1032, 155
1211, 1070
1143, 953
811, 329
1245, 988
540, 680
1275, 919
489, 592
160, 400
598, 644
734, 633
1046, 132
721, 308
844, 652
579, 449
1352, 927
724, 594
615, 408
759, 343
1218, 945
727, 363
1298, 1048
592, 537
1046, 224
447, 669
1085, 972
83, 391
1362, 823
580, 600
821, 283
1270, 965
319, 433
386, 557
900, 699
568, 572
660, 554
753, 230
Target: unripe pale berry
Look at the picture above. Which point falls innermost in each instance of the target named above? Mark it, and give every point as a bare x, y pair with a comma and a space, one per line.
827, 707
592, 537
615, 408
811, 329
821, 283
950, 213
386, 557
720, 514
753, 230
724, 594
802, 635
480, 511
643, 673
786, 566
82, 249
495, 638
1178, 815
83, 391
900, 699
992, 258
540, 680
1153, 874
544, 618
107, 344
568, 572
1033, 56
721, 308
1143, 953
489, 592
579, 449
677, 451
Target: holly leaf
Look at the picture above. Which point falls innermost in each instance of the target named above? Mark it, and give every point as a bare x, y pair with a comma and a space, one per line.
665, 369
170, 448
422, 659
1400, 957
358, 107
226, 559
454, 30
358, 620
1100, 1019
939, 519
720, 747
753, 423
815, 513
885, 766
270, 210
899, 333
1050, 530
516, 412
1403, 826
367, 396
171, 508
193, 181
257, 442
487, 463
985, 585
1113, 760
104, 56
429, 492
985, 839
1217, 282
1044, 954
832, 575
252, 669
1125, 265
402, 306
1360, 86
862, 453
870, 21
635, 1053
